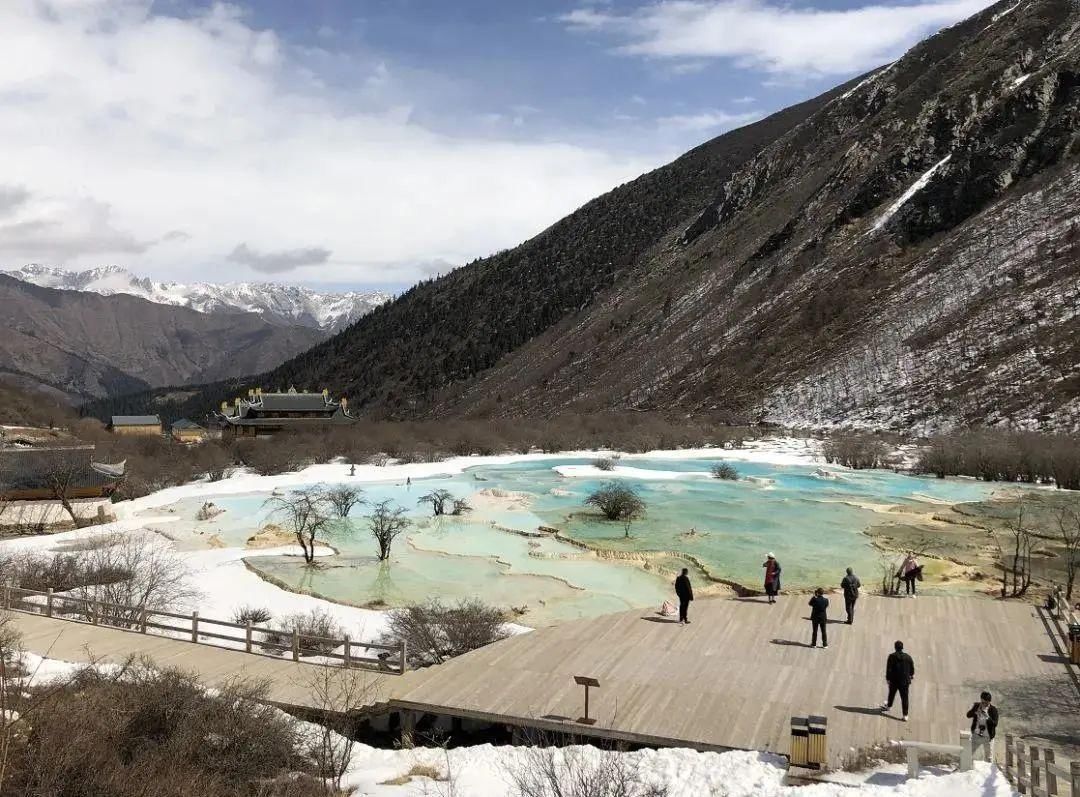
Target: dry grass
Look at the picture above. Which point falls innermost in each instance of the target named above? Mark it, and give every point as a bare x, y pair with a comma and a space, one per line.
417, 771
866, 758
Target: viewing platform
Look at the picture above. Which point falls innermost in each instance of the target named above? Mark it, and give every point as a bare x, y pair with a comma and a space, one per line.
732, 679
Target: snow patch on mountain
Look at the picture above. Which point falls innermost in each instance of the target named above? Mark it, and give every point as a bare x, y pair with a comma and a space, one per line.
281, 304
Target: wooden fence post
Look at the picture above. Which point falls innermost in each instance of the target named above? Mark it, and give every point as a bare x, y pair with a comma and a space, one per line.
93, 612
1008, 756
348, 652
247, 637
1074, 772
1021, 770
48, 602
404, 658
194, 626
296, 643
142, 621
1036, 772
1051, 776
912, 762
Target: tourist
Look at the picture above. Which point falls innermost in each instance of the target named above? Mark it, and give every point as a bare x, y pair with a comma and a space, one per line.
910, 570
772, 577
984, 720
899, 672
819, 606
851, 585
685, 593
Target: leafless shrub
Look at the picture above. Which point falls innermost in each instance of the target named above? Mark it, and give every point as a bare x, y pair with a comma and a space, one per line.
387, 523
336, 694
59, 572
434, 632
316, 628
251, 614
617, 501
461, 507
605, 463
873, 756
140, 730
993, 455
579, 772
722, 470
1068, 520
304, 513
158, 580
344, 499
856, 451
438, 499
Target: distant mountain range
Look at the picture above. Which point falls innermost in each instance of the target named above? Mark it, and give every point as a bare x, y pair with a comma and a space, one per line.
902, 251
285, 305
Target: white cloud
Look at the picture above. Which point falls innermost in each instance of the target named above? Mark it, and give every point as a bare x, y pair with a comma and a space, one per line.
126, 126
276, 262
774, 37
705, 121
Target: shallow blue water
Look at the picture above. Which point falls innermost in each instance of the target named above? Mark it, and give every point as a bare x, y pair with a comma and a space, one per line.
813, 525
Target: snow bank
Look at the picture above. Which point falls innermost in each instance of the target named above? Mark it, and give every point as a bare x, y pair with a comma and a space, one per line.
624, 472
485, 771
917, 186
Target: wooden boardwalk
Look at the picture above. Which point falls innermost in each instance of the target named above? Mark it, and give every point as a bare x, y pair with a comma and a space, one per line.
731, 679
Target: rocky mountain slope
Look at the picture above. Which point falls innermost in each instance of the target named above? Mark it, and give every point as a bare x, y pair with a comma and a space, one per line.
901, 252
288, 305
84, 345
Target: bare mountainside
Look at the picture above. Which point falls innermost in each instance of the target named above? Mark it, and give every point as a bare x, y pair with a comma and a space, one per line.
84, 345
902, 252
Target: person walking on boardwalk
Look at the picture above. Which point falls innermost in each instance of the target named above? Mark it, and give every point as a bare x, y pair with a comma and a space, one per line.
851, 585
685, 592
772, 577
910, 570
984, 721
819, 606
899, 672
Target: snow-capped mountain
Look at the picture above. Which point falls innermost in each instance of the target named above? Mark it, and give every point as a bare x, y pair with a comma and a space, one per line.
279, 304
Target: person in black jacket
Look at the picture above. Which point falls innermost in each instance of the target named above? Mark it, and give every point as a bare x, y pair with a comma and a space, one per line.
851, 585
819, 605
899, 672
685, 593
984, 721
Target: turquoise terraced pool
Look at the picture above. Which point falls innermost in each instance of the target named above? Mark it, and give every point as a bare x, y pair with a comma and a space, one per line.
814, 524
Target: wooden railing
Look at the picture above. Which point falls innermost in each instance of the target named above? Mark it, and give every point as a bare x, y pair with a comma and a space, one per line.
1036, 771
254, 639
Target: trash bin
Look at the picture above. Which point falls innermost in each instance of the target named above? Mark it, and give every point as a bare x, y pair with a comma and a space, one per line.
1074, 643
799, 741
817, 750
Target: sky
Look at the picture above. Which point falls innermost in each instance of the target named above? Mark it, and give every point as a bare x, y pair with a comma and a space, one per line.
372, 143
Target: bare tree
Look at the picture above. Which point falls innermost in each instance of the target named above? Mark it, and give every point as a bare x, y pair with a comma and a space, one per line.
461, 507
138, 573
344, 499
434, 632
305, 513
1069, 528
387, 522
61, 477
583, 771
337, 694
438, 500
618, 501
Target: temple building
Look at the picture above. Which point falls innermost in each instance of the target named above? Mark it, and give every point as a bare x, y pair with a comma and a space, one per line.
266, 413
42, 487
185, 431
136, 425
